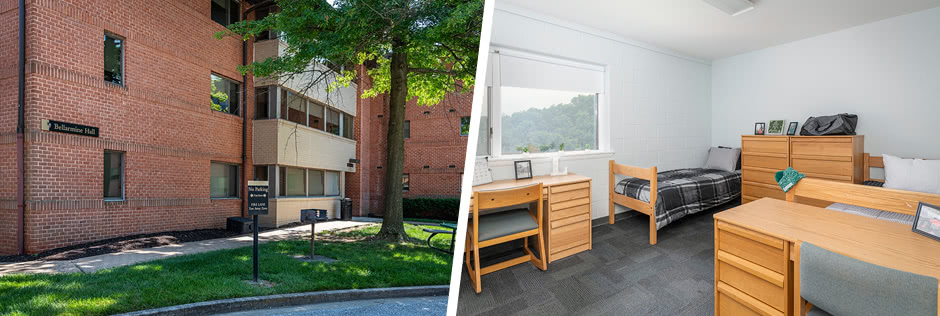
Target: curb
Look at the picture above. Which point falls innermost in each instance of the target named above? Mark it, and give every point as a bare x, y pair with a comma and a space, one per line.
284, 300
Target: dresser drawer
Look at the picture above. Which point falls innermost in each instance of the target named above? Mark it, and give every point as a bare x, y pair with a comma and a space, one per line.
764, 161
569, 236
824, 166
764, 145
752, 246
753, 280
820, 148
571, 211
759, 190
758, 175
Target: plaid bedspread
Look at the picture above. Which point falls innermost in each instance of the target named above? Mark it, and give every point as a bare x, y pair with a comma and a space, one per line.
684, 191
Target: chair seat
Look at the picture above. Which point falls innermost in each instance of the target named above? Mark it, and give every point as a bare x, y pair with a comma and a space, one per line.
506, 223
816, 311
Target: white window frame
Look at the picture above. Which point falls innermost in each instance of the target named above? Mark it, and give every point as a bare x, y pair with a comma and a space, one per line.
494, 111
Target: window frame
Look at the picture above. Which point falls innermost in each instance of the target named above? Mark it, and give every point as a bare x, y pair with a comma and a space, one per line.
460, 132
407, 129
123, 168
228, 12
237, 180
405, 185
238, 86
494, 110
123, 59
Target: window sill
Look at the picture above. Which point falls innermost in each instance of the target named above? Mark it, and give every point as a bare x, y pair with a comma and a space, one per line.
571, 155
232, 114
315, 197
225, 198
112, 200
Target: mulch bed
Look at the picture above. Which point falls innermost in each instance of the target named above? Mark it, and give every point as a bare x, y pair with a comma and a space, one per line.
122, 244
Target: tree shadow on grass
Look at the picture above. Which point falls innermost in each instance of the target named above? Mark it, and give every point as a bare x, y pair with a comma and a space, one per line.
220, 275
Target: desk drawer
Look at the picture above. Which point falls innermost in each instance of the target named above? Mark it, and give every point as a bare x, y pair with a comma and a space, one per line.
570, 195
752, 246
753, 280
570, 211
571, 203
570, 187
733, 302
569, 236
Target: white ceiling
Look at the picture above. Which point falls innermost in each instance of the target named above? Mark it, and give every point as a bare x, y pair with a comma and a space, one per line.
697, 29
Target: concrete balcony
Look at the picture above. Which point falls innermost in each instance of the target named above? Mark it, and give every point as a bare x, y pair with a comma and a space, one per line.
343, 99
282, 142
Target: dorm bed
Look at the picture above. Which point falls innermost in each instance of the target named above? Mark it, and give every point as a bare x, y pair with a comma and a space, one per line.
668, 196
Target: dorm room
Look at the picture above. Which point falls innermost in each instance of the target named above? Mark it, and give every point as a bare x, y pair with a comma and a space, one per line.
660, 194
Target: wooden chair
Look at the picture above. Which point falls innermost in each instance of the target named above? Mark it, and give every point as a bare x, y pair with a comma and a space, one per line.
501, 227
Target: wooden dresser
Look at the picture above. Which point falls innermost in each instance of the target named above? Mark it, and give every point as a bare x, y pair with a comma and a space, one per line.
567, 217
837, 158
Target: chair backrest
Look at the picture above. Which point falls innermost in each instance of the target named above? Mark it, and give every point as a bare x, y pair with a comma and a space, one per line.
507, 197
845, 286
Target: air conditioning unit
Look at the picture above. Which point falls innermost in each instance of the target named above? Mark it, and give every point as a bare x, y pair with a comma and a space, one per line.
732, 7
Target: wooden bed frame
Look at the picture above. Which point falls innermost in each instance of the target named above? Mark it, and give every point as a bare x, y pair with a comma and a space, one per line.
869, 162
648, 208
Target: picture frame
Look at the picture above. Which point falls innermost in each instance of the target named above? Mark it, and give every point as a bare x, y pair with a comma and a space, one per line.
759, 128
523, 169
791, 130
927, 221
776, 127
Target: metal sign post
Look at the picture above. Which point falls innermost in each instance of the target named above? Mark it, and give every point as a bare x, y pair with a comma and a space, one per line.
257, 205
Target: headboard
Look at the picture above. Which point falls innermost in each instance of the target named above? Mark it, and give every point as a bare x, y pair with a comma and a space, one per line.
869, 162
897, 201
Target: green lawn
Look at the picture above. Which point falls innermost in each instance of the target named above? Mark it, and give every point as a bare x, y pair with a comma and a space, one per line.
220, 274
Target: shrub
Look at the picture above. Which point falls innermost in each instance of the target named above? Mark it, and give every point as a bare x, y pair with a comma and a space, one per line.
431, 208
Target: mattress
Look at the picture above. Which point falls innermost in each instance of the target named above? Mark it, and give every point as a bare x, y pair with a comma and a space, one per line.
683, 192
873, 213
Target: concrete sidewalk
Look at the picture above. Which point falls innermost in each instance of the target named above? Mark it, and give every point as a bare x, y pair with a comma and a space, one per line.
111, 260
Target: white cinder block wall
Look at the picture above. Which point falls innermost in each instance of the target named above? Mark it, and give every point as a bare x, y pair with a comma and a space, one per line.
887, 72
660, 110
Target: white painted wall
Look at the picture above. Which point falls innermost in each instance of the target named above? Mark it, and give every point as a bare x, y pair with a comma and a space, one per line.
887, 72
660, 111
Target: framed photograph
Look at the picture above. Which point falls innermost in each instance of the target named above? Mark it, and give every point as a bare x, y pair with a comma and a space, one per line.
792, 129
759, 128
776, 127
927, 221
523, 169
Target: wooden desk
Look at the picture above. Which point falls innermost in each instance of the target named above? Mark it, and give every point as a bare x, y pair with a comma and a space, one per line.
756, 252
566, 223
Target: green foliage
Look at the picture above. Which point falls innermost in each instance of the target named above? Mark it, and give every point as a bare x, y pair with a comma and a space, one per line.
221, 274
431, 208
440, 37
573, 123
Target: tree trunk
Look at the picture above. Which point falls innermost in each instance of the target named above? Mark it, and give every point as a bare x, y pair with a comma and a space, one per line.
393, 228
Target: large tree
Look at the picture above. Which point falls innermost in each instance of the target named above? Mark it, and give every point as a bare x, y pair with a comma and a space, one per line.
414, 49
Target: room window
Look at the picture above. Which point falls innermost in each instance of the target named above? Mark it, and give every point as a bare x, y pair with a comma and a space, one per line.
316, 116
483, 139
113, 59
315, 182
224, 95
223, 180
540, 104
407, 129
405, 182
331, 183
348, 126
113, 175
332, 121
262, 102
464, 126
292, 182
226, 12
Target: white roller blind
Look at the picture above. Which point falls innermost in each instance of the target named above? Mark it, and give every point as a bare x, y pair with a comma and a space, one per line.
524, 70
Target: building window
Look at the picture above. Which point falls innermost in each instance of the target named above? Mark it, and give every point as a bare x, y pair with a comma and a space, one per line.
315, 182
292, 182
464, 126
113, 59
405, 182
262, 13
407, 129
348, 129
459, 182
224, 95
226, 12
316, 116
262, 102
223, 180
113, 175
332, 121
331, 183
261, 173
296, 107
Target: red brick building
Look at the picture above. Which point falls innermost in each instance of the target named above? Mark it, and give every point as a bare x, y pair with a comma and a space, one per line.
157, 154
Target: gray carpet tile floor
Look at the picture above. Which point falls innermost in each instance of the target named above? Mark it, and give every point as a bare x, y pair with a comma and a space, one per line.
622, 275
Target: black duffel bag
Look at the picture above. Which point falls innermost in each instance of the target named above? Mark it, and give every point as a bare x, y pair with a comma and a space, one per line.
839, 124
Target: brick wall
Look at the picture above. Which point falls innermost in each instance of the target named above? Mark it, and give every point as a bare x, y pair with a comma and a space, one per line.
435, 143
9, 37
161, 119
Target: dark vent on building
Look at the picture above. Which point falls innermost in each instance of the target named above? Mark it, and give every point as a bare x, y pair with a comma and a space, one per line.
379, 167
453, 110
350, 165
380, 115
452, 166
427, 167
427, 112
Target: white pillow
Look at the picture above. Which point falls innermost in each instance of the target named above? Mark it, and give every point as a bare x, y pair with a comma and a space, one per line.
723, 158
912, 174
